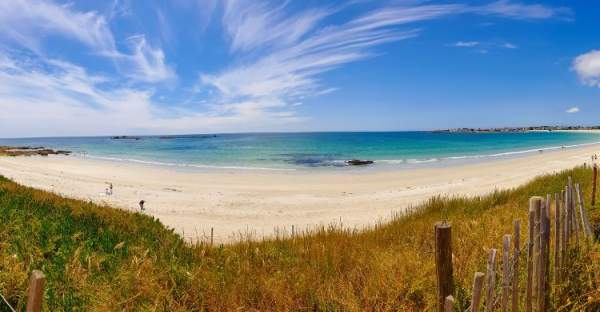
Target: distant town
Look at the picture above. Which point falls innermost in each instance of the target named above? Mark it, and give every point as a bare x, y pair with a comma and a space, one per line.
521, 129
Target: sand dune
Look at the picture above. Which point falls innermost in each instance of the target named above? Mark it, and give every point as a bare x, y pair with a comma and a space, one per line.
260, 202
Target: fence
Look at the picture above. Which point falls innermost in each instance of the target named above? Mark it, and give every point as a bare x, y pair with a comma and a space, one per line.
35, 294
572, 230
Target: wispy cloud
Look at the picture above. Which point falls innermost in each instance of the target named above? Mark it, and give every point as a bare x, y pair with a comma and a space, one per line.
299, 47
483, 47
511, 9
28, 23
146, 63
466, 44
587, 67
572, 110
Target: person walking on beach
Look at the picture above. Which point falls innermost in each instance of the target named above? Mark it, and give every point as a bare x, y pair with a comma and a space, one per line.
110, 188
142, 204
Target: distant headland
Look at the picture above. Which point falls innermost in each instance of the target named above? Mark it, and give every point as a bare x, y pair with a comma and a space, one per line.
520, 129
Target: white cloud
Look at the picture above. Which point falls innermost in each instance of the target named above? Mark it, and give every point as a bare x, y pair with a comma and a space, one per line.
587, 67
509, 45
297, 48
289, 70
28, 22
466, 44
146, 63
572, 110
54, 98
510, 9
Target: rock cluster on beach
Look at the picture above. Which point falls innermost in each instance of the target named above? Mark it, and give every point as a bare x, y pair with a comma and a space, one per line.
30, 151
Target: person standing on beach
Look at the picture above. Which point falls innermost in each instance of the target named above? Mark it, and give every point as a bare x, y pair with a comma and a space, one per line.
110, 189
142, 204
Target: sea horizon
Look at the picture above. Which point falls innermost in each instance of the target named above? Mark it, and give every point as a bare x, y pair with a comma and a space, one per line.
311, 150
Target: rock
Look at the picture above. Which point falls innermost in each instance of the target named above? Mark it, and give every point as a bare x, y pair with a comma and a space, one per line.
30, 151
359, 162
125, 137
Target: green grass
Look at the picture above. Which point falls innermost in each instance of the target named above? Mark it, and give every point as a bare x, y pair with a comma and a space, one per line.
102, 259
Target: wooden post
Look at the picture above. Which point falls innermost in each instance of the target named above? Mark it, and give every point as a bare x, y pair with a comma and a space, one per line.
533, 202
212, 235
505, 271
594, 174
565, 235
585, 222
515, 269
537, 206
543, 298
568, 216
573, 212
477, 291
491, 281
443, 261
449, 304
557, 239
36, 291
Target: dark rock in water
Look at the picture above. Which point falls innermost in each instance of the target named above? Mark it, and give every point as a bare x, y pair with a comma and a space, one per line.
125, 137
359, 162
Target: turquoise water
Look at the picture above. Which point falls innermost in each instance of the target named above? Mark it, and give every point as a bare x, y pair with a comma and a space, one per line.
285, 151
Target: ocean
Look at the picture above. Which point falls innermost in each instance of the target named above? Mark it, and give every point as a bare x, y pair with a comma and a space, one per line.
309, 151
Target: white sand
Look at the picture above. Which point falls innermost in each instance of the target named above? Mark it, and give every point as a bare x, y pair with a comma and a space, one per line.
259, 202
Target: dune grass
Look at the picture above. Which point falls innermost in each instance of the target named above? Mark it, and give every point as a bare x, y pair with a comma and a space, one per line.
102, 259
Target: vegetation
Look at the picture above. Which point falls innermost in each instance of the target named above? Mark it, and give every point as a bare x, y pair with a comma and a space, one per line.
102, 259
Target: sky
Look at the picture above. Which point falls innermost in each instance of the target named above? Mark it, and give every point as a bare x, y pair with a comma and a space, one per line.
112, 67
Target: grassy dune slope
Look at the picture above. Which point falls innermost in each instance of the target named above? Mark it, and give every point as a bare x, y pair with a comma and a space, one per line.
101, 259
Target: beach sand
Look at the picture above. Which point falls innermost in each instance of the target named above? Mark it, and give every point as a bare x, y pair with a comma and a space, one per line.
261, 203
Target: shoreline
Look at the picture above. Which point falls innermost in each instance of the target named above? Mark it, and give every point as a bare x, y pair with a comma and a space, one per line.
261, 203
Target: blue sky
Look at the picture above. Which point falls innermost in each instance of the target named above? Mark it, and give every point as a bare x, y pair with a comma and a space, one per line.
197, 66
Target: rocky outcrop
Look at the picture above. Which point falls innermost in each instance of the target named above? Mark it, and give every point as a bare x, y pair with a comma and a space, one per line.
125, 137
30, 151
359, 162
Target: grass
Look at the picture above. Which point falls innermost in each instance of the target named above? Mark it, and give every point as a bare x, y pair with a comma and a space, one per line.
102, 259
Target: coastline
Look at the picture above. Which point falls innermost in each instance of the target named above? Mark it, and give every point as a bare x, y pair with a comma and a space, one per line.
261, 203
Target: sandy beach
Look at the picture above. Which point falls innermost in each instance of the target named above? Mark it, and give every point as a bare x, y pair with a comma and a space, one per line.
234, 202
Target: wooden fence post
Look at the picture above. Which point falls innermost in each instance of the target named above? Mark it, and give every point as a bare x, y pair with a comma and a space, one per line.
537, 259
594, 174
544, 255
574, 224
212, 235
36, 291
491, 281
505, 271
557, 238
568, 217
443, 261
477, 291
565, 235
585, 222
515, 269
534, 203
449, 304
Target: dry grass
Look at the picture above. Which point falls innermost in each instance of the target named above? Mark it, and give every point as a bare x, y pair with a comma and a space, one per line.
101, 259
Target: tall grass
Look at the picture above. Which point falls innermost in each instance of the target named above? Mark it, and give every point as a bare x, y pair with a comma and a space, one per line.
102, 259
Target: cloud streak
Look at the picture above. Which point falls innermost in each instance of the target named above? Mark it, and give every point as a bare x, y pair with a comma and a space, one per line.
28, 23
